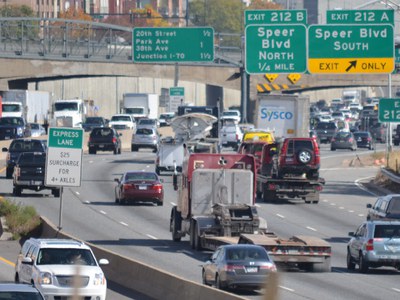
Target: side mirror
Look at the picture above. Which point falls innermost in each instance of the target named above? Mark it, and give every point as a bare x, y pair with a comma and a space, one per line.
4, 149
116, 180
369, 205
103, 261
351, 233
27, 260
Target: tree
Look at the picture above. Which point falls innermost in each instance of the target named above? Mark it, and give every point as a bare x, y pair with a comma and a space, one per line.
17, 29
16, 11
264, 4
76, 30
223, 15
75, 14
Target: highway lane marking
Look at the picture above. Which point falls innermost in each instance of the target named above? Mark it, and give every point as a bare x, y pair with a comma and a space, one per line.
341, 207
286, 288
90, 161
123, 223
333, 204
152, 237
173, 204
396, 290
103, 212
87, 202
325, 200
280, 216
361, 215
351, 211
313, 229
77, 193
7, 261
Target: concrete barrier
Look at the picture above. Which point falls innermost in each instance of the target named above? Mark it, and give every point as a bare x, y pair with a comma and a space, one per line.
134, 275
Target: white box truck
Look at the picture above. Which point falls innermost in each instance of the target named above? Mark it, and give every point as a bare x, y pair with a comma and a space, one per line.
33, 106
284, 115
141, 105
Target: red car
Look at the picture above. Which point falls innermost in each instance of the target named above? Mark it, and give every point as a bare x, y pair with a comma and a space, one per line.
139, 186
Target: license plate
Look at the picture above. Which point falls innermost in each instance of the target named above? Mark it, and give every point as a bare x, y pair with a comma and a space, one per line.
101, 146
33, 182
359, 139
6, 137
252, 270
142, 187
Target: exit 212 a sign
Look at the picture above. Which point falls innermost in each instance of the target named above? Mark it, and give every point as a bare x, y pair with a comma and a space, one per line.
389, 110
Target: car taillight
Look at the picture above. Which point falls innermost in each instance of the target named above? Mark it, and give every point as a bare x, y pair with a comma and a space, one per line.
128, 187
333, 140
369, 139
318, 188
283, 151
271, 187
316, 152
114, 140
350, 140
232, 268
370, 245
270, 267
157, 187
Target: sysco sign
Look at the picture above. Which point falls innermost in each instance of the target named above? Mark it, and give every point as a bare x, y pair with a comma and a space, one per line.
270, 115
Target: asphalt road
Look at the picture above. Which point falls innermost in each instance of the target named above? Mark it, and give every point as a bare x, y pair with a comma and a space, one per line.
142, 231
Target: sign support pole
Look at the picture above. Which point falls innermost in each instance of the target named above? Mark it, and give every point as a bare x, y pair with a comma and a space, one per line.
389, 140
61, 208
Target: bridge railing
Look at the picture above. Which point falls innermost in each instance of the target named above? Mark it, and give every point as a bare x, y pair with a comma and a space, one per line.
63, 39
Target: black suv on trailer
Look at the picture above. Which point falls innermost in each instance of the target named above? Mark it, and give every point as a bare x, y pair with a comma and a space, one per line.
29, 173
19, 146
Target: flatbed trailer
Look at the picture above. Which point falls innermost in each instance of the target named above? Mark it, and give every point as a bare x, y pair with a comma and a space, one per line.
273, 189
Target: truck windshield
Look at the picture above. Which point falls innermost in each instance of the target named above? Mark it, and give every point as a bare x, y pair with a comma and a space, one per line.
10, 107
66, 106
11, 121
134, 110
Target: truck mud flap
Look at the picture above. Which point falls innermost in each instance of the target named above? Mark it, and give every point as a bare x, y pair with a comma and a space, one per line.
311, 198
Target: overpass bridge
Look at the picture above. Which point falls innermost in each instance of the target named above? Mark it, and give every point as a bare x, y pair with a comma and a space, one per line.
34, 49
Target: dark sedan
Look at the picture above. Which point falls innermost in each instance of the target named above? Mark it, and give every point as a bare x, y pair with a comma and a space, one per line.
364, 139
238, 266
139, 186
343, 140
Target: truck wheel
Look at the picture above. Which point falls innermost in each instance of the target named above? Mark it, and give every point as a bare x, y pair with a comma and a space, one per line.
269, 196
9, 172
115, 151
323, 267
92, 150
350, 263
218, 284
17, 191
203, 276
56, 193
175, 224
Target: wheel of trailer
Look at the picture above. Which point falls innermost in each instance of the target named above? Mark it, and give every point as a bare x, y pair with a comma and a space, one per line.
175, 225
119, 150
196, 237
218, 283
17, 191
56, 193
363, 264
269, 196
323, 267
115, 151
350, 263
304, 156
9, 173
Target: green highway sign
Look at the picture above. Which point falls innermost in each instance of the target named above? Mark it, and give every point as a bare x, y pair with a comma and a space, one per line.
194, 44
65, 138
177, 91
276, 48
346, 49
389, 110
362, 17
275, 16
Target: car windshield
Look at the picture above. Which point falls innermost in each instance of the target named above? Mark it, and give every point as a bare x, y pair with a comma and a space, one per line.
230, 114
32, 158
144, 131
387, 231
147, 122
360, 134
102, 132
94, 121
140, 176
63, 256
11, 121
247, 254
120, 118
66, 106
26, 146
34, 126
326, 125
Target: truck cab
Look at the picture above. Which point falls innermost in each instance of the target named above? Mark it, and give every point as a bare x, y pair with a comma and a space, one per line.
69, 113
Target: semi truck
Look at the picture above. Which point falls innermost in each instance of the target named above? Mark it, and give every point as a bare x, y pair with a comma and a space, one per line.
353, 96
216, 197
141, 105
33, 106
284, 115
69, 113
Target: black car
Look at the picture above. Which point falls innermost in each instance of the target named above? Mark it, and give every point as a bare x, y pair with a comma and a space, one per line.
19, 146
326, 131
92, 122
104, 139
29, 173
13, 127
364, 139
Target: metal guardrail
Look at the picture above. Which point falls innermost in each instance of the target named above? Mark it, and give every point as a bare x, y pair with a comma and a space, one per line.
77, 40
389, 174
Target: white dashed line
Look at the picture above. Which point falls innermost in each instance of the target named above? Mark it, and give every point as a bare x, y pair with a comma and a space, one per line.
396, 290
324, 200
87, 202
341, 207
361, 215
360, 186
257, 205
77, 193
103, 212
333, 204
313, 229
280, 216
286, 288
173, 204
123, 223
152, 237
351, 211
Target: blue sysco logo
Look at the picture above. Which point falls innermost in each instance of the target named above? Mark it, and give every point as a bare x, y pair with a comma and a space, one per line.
275, 115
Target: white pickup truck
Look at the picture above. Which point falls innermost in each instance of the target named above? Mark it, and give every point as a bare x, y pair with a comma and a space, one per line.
231, 136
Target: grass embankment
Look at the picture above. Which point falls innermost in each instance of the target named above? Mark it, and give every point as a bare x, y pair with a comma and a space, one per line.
20, 219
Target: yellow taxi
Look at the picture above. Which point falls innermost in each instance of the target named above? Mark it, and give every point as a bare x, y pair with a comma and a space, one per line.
259, 136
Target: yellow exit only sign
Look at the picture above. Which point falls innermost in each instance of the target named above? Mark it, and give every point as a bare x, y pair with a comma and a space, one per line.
349, 66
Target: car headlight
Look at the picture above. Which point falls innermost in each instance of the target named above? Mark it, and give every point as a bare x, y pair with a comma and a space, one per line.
19, 131
99, 279
45, 278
